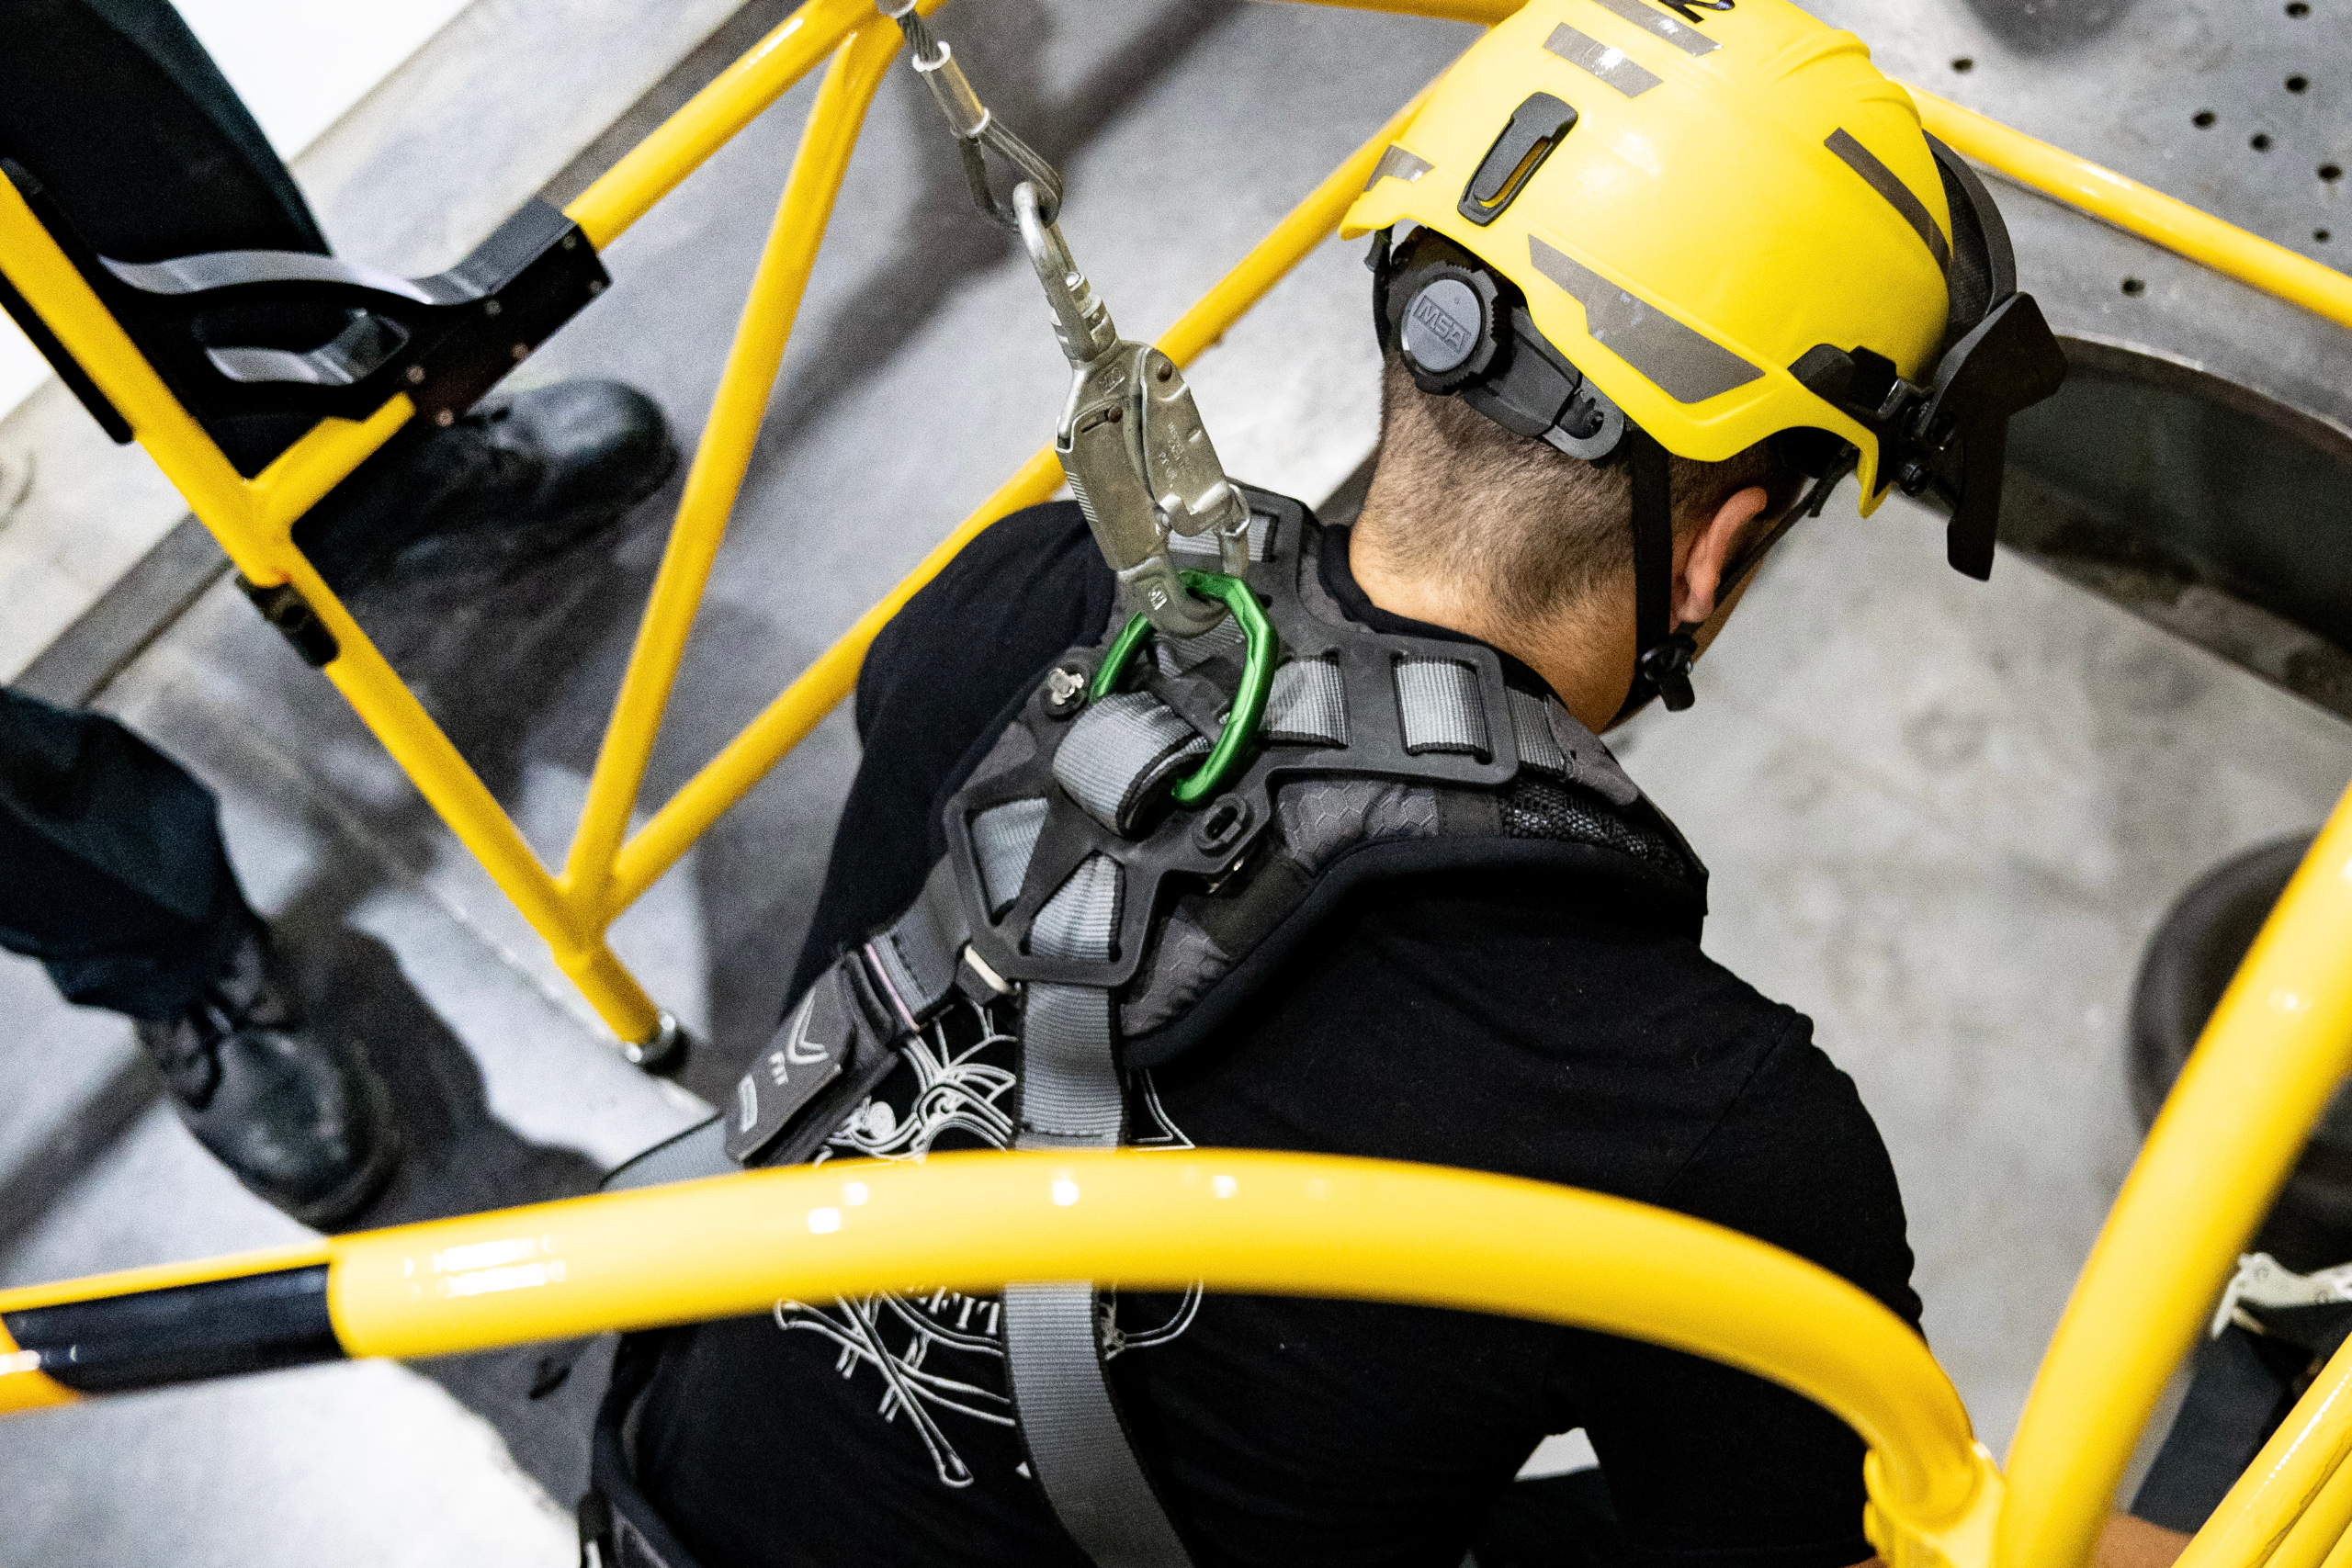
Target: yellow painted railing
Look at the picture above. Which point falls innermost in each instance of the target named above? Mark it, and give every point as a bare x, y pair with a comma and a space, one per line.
605, 870
2257, 1082
1261, 1223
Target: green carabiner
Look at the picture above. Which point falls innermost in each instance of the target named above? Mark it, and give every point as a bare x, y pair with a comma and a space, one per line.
1248, 704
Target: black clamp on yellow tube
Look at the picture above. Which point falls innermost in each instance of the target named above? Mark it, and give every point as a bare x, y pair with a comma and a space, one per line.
283, 606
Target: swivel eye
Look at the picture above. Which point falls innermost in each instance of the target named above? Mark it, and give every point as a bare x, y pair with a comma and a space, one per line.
1131, 443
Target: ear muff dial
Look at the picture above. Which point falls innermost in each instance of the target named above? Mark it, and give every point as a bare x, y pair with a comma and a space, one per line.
1447, 325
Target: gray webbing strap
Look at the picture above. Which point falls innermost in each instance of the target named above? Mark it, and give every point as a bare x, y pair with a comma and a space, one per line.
1177, 654
1003, 837
1118, 752
1082, 917
1438, 700
1308, 705
1081, 1453
1070, 1082
914, 961
1531, 726
1199, 549
1072, 1097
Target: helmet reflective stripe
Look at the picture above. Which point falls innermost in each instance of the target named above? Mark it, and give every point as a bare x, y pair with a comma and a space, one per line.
1400, 164
1690, 367
1610, 64
1690, 41
1898, 195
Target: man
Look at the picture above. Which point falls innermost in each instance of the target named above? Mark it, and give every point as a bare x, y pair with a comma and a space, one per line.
112, 870
1644, 273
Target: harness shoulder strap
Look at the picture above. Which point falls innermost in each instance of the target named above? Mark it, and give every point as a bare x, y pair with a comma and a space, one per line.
1073, 1095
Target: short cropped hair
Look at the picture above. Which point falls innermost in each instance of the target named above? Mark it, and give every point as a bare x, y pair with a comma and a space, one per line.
1457, 495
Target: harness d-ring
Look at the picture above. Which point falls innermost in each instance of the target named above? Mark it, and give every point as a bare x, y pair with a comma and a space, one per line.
1264, 647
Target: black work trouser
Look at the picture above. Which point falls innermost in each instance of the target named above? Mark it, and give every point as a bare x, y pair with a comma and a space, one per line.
116, 109
112, 871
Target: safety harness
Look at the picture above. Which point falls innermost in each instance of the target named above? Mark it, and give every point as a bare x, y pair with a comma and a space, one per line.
1123, 926
1162, 820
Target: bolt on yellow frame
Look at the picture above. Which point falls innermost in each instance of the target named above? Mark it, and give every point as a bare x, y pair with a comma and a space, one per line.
2257, 1082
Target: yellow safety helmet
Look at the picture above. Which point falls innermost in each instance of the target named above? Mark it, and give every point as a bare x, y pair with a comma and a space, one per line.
1690, 226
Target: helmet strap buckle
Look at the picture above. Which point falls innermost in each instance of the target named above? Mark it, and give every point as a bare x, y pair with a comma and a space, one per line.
1665, 667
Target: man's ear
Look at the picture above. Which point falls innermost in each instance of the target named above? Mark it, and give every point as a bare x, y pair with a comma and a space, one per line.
1709, 551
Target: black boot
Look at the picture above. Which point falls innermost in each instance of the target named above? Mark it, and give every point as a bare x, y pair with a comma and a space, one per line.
303, 1122
452, 512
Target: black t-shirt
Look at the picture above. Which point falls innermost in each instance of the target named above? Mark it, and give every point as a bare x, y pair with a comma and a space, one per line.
1509, 1023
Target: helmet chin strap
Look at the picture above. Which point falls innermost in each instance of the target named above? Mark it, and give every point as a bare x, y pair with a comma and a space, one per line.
1678, 648
1663, 650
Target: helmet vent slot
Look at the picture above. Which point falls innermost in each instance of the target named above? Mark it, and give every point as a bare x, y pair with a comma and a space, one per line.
1536, 126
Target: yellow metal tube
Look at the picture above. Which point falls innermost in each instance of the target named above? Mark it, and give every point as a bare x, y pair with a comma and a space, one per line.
744, 761
785, 722
2300, 1473
2134, 207
23, 1385
1238, 1221
450, 785
1252, 1222
707, 121
592, 967
724, 454
2258, 1079
299, 477
1485, 13
2321, 1527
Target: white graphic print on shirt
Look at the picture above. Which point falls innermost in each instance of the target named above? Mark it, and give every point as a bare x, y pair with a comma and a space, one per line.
936, 1353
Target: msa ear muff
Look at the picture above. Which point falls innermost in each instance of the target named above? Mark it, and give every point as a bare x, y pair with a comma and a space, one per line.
1446, 327
1462, 328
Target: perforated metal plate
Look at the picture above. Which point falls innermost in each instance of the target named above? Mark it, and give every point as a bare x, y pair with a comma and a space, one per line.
2242, 107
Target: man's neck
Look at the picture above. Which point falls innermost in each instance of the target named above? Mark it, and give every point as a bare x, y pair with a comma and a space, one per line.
1585, 667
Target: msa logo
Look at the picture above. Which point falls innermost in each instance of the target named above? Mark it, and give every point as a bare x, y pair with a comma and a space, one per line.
747, 1104
1449, 329
1684, 7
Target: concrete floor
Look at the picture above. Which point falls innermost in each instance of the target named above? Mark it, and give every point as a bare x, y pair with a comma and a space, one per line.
1941, 816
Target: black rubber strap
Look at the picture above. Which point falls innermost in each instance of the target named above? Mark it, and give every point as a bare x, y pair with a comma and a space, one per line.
1653, 540
1663, 651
